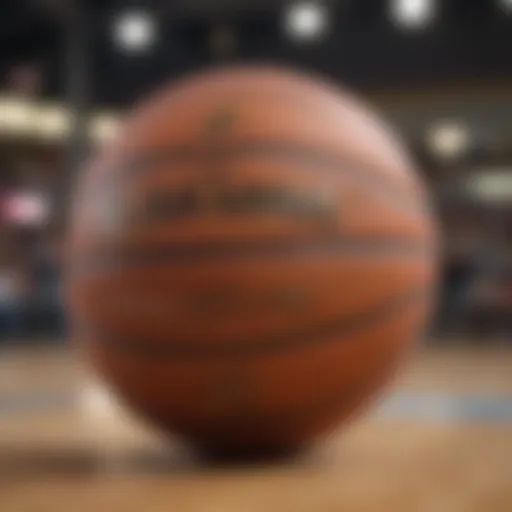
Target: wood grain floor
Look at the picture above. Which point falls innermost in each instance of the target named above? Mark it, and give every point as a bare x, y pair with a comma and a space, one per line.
62, 451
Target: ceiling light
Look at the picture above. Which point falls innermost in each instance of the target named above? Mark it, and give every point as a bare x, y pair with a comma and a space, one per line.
135, 31
505, 5
449, 140
412, 14
307, 21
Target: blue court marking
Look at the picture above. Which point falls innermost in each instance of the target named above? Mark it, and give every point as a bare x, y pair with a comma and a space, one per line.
400, 406
447, 408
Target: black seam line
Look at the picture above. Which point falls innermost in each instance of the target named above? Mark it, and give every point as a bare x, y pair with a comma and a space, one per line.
273, 344
257, 249
309, 158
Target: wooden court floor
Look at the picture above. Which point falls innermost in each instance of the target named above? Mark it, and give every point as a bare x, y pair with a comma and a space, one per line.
441, 441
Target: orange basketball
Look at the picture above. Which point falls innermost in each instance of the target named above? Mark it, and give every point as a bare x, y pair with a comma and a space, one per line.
250, 258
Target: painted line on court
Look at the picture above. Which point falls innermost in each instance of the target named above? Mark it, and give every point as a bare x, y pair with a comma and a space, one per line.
447, 408
400, 406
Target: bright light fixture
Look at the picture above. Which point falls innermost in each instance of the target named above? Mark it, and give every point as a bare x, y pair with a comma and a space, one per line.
135, 31
449, 140
16, 116
413, 14
307, 21
505, 5
493, 185
53, 122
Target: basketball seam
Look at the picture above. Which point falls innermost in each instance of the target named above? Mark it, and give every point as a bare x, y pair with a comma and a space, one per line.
262, 346
186, 253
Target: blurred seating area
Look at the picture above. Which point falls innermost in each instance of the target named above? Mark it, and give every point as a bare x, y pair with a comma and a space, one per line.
474, 304
30, 302
30, 306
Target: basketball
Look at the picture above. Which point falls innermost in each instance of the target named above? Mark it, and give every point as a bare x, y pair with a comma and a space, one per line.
251, 259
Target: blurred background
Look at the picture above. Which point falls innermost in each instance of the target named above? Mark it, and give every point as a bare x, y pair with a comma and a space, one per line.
439, 71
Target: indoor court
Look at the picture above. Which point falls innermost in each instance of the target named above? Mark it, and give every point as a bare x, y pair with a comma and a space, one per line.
441, 440
246, 255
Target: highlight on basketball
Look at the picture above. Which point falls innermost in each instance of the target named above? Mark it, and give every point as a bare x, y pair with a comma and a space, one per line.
255, 255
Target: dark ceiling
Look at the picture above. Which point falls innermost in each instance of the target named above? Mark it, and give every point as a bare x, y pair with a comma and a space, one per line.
472, 42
